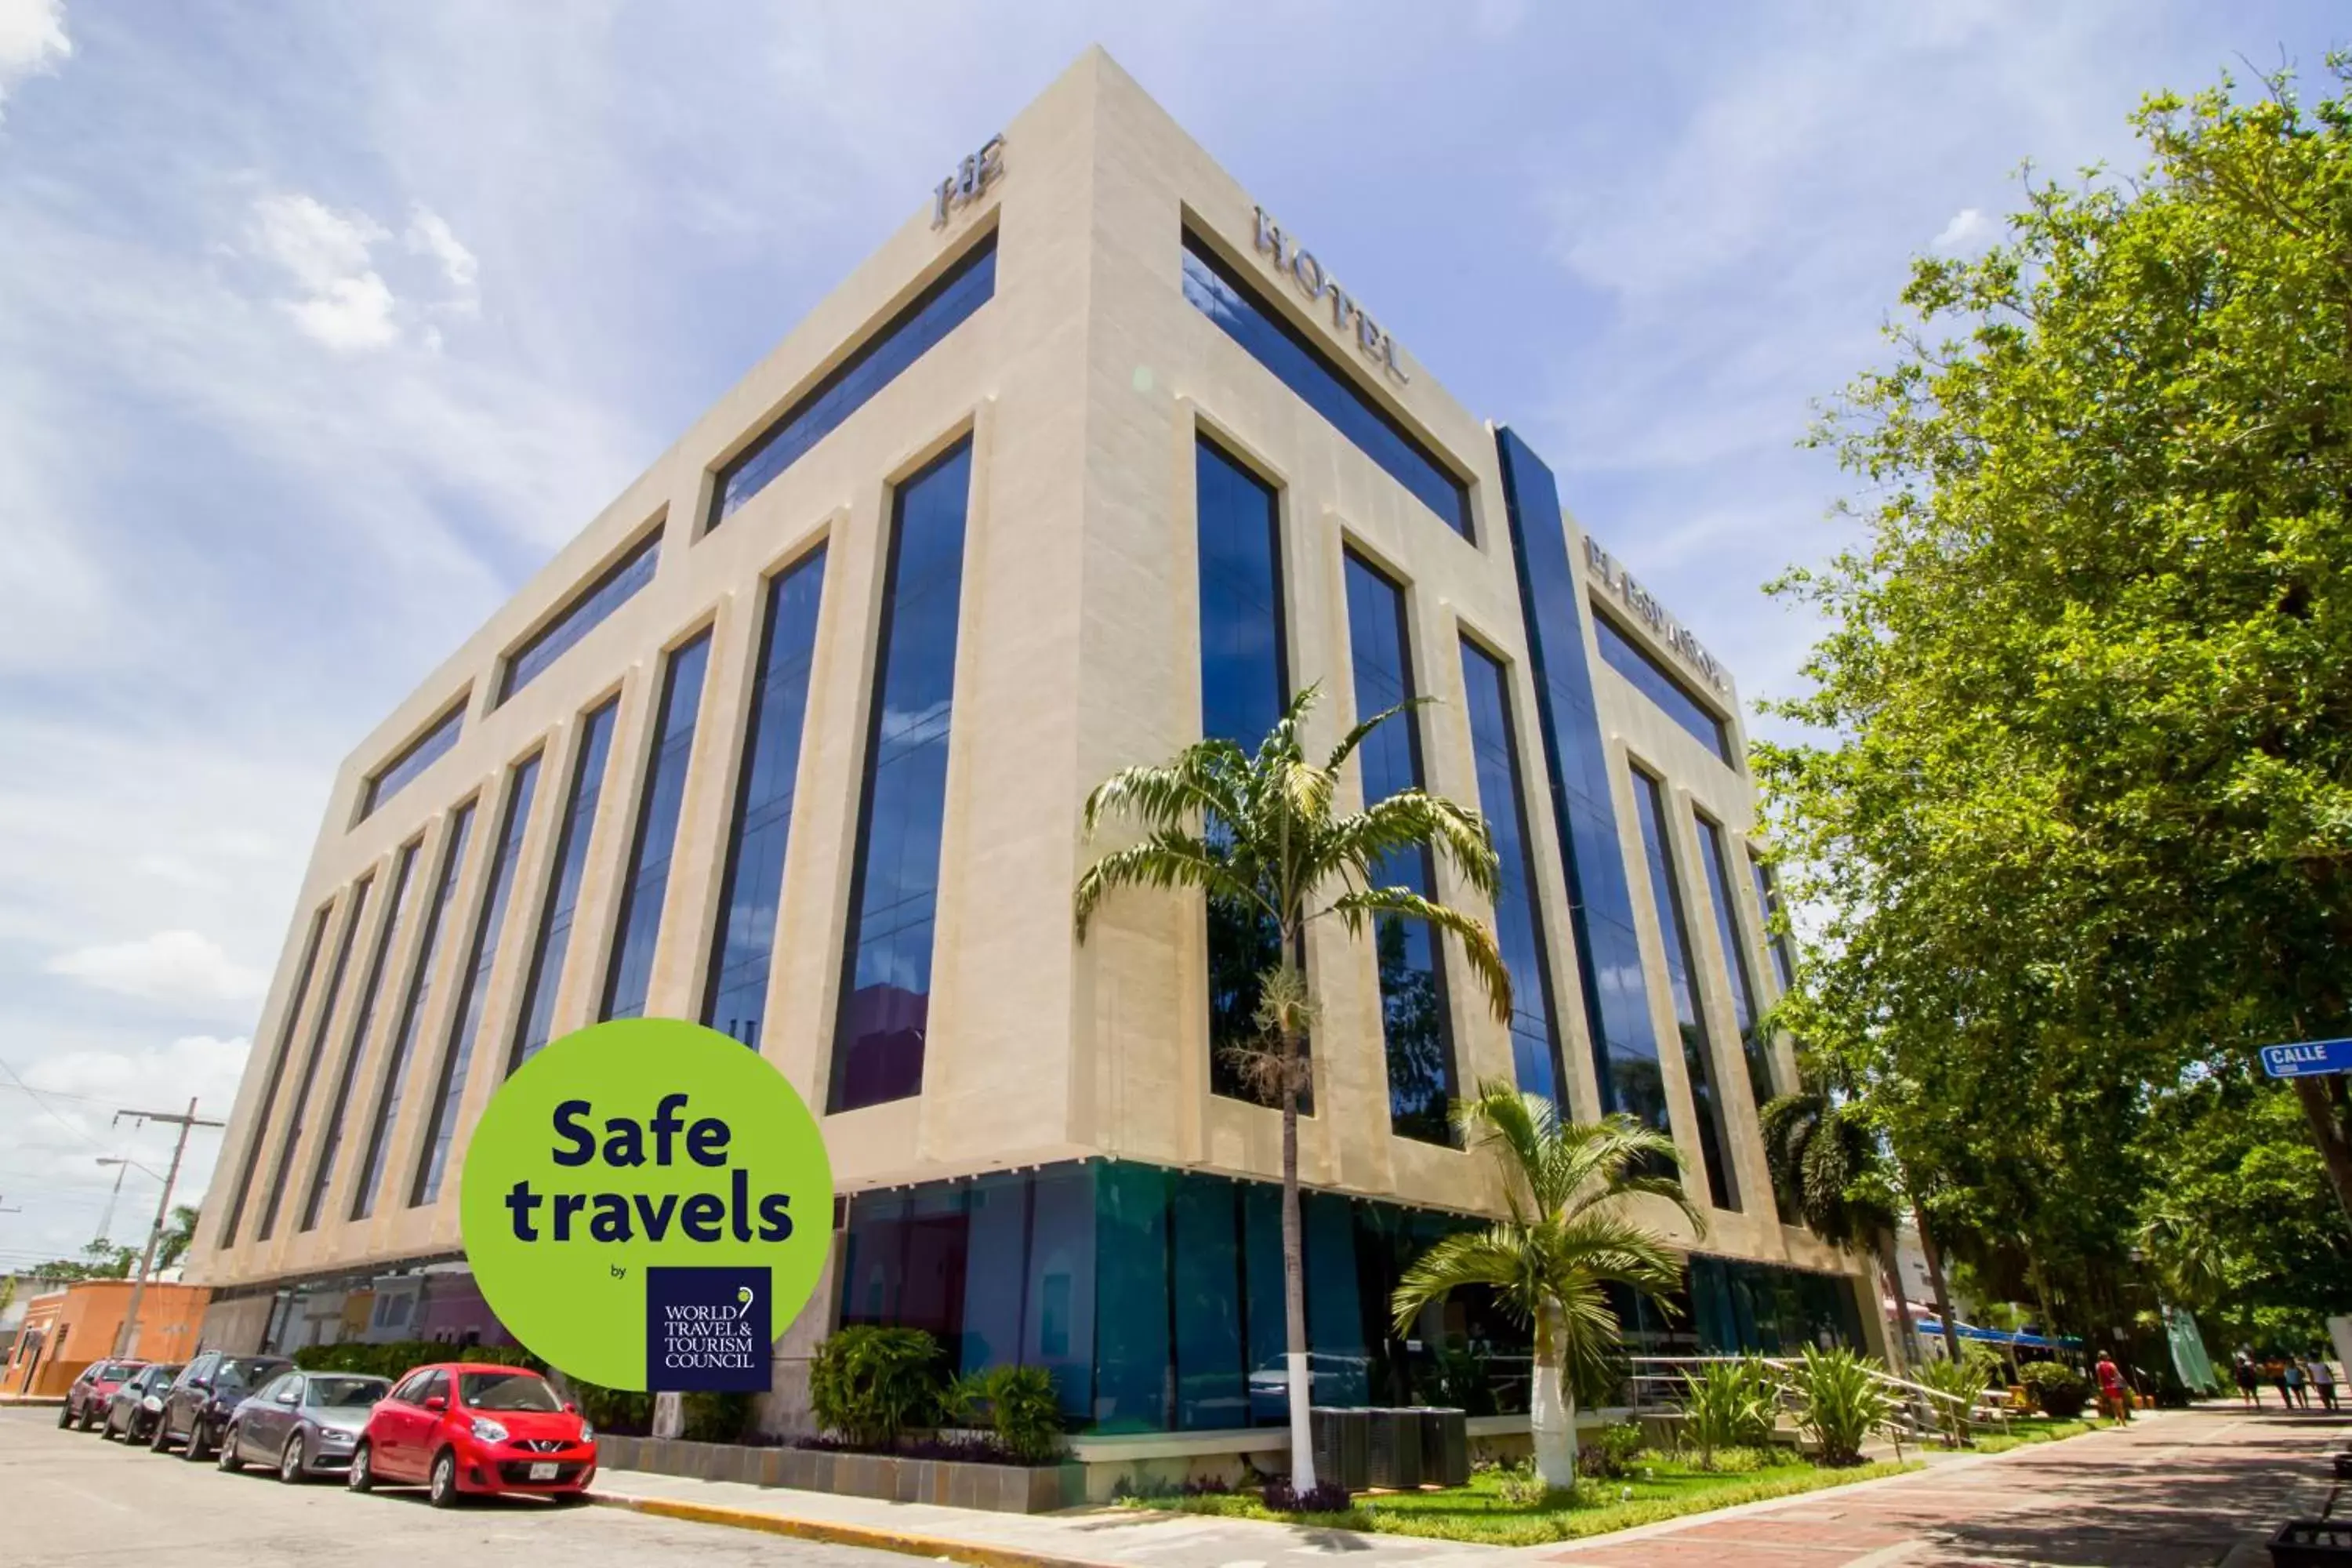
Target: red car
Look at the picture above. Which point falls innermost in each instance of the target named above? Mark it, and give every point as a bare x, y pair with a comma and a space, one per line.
460, 1428
86, 1400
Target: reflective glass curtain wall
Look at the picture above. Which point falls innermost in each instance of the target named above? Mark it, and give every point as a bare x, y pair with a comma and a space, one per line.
422, 753
1665, 690
878, 1038
1767, 898
412, 1014
1244, 686
1576, 763
1752, 1044
1416, 1025
644, 886
266, 1112
1519, 924
736, 998
535, 1021
1674, 936
617, 587
330, 1141
321, 1031
473, 986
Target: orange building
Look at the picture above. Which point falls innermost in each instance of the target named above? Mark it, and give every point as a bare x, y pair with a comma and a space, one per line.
67, 1329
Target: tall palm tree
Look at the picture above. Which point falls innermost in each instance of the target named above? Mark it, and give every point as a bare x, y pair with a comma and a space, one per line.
1829, 1170
1262, 838
1567, 1240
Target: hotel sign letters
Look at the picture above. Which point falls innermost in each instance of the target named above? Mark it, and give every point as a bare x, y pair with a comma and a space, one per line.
1300, 264
1643, 603
972, 177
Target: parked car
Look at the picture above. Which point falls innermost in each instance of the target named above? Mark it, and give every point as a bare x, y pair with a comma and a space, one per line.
305, 1423
130, 1412
202, 1397
86, 1399
458, 1428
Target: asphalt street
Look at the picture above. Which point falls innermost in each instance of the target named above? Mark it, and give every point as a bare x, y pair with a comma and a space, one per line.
71, 1498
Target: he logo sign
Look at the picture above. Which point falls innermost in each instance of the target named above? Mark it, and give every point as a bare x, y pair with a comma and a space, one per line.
964, 186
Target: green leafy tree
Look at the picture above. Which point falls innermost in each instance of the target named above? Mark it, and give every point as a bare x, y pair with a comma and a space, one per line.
1828, 1170
171, 1244
101, 1259
1263, 837
1567, 1240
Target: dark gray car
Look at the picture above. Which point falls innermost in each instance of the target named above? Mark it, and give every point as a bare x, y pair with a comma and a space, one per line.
304, 1423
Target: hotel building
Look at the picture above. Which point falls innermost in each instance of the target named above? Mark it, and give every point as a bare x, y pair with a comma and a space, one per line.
1092, 457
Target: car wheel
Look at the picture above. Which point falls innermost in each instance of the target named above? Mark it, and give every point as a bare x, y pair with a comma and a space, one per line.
89, 1417
230, 1461
442, 1491
198, 1450
292, 1468
106, 1427
65, 1413
160, 1440
362, 1475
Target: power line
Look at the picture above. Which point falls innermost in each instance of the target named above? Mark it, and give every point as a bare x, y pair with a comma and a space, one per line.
23, 1087
50, 1111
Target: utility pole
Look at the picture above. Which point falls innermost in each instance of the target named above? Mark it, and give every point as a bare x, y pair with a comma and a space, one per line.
126, 1338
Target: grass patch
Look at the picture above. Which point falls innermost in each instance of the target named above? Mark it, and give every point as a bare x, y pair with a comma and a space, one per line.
1485, 1513
2025, 1429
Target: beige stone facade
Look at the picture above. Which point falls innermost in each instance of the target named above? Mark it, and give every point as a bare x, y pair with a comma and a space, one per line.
1082, 384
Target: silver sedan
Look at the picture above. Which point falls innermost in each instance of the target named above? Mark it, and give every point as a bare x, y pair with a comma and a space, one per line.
304, 1423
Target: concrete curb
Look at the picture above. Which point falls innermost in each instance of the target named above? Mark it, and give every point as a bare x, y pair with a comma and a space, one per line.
838, 1535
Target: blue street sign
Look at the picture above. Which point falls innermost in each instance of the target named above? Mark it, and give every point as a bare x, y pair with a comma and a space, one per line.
2310, 1059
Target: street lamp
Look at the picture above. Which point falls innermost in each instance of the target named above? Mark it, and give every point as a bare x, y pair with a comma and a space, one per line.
121, 1168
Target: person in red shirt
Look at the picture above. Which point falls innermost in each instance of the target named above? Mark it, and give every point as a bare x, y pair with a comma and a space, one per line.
2114, 1394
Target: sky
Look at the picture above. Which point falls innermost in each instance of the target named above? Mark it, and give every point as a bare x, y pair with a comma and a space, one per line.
321, 327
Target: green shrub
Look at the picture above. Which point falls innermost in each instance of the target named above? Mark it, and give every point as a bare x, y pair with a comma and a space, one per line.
1730, 1405
1017, 1403
1839, 1403
1607, 1453
867, 1383
1964, 1382
621, 1411
2057, 1388
396, 1360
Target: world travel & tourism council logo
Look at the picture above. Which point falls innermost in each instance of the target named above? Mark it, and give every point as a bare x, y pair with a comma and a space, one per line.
647, 1204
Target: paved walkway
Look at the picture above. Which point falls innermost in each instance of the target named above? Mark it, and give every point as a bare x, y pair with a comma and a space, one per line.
2172, 1490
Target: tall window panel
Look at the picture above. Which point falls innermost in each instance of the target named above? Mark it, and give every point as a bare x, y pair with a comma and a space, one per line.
1244, 683
412, 1014
645, 888
418, 755
595, 605
536, 1020
1416, 1025
1519, 924
265, 1115
736, 997
330, 1141
1674, 934
321, 1029
885, 992
474, 987
1584, 813
1776, 940
1752, 1044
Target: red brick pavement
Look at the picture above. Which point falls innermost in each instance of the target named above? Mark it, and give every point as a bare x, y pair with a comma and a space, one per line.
2168, 1492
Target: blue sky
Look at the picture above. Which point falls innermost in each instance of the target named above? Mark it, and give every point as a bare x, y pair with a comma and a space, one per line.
323, 326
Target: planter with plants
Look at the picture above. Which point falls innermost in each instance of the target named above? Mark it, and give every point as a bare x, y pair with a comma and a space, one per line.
1839, 1403
2057, 1388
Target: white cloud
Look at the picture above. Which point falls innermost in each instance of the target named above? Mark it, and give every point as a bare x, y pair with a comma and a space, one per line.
429, 235
200, 1065
182, 966
1969, 228
32, 39
346, 304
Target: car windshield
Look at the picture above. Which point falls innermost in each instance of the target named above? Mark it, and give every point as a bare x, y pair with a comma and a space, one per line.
329, 1392
505, 1391
243, 1372
115, 1370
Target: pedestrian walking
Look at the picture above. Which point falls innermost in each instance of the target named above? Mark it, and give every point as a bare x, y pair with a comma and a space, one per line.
2115, 1395
2294, 1385
2275, 1374
2241, 1368
2322, 1378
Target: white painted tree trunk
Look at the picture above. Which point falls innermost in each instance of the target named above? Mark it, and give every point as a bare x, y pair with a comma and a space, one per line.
670, 1415
1551, 1408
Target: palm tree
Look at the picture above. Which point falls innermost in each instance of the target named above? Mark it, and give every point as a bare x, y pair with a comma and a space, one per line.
1567, 1239
1829, 1170
1262, 838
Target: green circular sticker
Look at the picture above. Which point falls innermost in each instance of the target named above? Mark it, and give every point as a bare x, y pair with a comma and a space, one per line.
647, 1204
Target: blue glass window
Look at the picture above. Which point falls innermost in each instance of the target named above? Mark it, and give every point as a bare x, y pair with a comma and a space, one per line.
535, 1019
1576, 764
752, 882
1662, 687
1767, 898
412, 1013
1518, 922
474, 985
1220, 293
608, 593
885, 992
330, 1141
1244, 686
1415, 1022
874, 364
265, 1111
319, 1029
1673, 935
645, 889
1735, 961
418, 755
